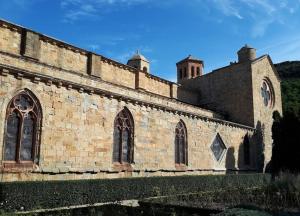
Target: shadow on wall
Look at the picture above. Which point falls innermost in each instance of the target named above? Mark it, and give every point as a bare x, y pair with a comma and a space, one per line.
230, 160
189, 96
250, 153
246, 151
259, 147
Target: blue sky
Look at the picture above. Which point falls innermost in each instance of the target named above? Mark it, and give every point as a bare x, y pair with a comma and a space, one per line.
166, 31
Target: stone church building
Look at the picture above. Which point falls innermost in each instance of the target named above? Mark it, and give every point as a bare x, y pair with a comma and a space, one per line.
67, 113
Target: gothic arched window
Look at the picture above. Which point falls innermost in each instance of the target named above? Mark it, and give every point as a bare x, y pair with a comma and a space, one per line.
181, 144
123, 137
23, 123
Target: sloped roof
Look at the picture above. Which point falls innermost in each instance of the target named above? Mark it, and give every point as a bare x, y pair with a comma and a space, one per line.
138, 56
190, 58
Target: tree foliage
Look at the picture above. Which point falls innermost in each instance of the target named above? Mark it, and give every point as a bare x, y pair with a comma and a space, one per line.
286, 129
286, 138
289, 73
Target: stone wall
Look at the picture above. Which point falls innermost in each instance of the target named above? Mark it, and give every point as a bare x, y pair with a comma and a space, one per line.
117, 75
263, 69
188, 95
235, 91
77, 134
10, 39
62, 57
227, 90
81, 93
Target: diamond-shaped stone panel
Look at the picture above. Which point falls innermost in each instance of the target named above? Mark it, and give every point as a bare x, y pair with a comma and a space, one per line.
218, 147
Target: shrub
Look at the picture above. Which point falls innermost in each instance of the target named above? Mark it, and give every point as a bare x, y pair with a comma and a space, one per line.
242, 212
53, 194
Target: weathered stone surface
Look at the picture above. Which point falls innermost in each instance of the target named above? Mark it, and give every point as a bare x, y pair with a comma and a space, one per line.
31, 44
94, 65
79, 112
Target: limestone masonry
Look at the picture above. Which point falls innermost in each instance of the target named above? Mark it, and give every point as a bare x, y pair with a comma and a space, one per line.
67, 113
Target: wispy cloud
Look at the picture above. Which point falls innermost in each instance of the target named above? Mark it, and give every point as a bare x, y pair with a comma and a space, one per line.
124, 56
93, 47
283, 50
228, 8
15, 5
107, 41
261, 13
77, 9
260, 27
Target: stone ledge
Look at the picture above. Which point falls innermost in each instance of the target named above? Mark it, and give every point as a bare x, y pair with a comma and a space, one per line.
65, 170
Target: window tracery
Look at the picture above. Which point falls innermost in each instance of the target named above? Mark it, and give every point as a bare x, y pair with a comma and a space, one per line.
267, 93
181, 144
218, 147
23, 122
123, 137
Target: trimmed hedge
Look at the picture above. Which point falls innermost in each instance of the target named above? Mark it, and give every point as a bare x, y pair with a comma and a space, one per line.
52, 194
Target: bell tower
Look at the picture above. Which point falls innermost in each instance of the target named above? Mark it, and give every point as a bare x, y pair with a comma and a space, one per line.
189, 68
139, 62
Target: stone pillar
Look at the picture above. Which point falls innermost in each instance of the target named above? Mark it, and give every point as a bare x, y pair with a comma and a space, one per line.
173, 90
30, 45
94, 65
140, 80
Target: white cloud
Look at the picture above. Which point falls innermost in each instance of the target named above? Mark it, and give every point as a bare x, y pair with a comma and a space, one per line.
77, 9
260, 13
260, 27
228, 8
283, 50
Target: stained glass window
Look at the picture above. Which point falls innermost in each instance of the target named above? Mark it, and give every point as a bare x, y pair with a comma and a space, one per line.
12, 133
123, 137
23, 119
27, 140
218, 147
180, 144
116, 150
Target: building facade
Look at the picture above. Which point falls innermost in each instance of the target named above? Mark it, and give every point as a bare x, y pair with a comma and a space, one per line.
67, 113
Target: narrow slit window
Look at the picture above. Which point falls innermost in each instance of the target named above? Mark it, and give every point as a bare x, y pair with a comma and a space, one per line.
193, 71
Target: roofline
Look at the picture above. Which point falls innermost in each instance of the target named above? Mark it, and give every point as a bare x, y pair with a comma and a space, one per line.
237, 63
271, 63
129, 60
189, 60
20, 28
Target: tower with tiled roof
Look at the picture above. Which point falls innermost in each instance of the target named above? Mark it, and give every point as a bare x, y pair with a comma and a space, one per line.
189, 68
